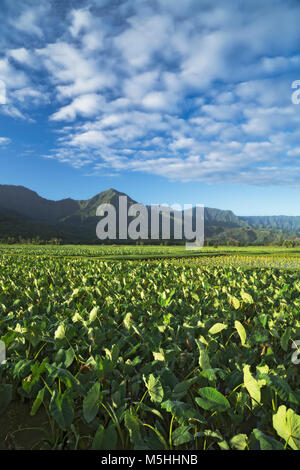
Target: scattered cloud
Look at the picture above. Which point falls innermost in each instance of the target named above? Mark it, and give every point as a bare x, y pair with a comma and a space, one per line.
191, 90
4, 140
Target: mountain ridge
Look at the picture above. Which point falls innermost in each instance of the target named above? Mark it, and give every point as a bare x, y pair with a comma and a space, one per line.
76, 219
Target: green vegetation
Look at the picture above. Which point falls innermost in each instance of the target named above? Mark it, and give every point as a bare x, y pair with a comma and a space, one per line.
192, 352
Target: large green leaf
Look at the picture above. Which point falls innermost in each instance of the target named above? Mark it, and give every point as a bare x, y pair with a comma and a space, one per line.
182, 412
241, 331
247, 297
132, 423
287, 425
204, 361
239, 442
216, 328
93, 314
60, 332
267, 442
252, 385
285, 338
105, 438
61, 409
234, 302
37, 402
211, 399
91, 403
155, 388
182, 435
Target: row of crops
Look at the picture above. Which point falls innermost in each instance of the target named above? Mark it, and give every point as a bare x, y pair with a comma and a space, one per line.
148, 355
119, 251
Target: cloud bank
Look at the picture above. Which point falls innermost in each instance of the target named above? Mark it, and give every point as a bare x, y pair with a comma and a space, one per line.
192, 91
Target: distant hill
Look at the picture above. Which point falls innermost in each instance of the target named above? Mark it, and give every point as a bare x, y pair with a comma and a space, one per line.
12, 225
25, 214
29, 204
278, 222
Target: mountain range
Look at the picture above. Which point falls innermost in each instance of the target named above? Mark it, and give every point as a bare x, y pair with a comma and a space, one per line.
26, 215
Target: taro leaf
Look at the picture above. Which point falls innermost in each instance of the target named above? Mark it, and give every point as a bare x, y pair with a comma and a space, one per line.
247, 297
280, 385
60, 356
287, 425
159, 356
105, 438
70, 356
223, 445
168, 378
22, 369
195, 296
103, 366
155, 389
61, 409
5, 397
241, 331
60, 333
204, 362
37, 402
148, 409
181, 389
209, 374
65, 376
216, 328
93, 314
267, 442
182, 412
127, 320
251, 385
181, 435
214, 435
263, 318
133, 425
91, 403
76, 317
234, 302
37, 369
239, 442
285, 338
8, 338
65, 357
113, 354
211, 399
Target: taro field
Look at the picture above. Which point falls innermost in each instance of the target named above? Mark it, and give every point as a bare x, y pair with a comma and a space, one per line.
193, 353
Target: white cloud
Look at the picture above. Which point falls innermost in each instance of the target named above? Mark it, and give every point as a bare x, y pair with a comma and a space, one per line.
146, 36
4, 140
29, 19
84, 105
31, 96
11, 77
191, 90
23, 56
156, 100
81, 20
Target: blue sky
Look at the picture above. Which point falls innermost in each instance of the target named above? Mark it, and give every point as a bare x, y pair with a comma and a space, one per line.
168, 101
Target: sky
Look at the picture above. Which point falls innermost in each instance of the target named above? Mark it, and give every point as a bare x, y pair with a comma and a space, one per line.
187, 102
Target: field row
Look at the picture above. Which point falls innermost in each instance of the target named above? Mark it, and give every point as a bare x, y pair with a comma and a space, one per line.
150, 355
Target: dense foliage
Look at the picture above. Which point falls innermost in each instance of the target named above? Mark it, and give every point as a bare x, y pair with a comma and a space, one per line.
148, 355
